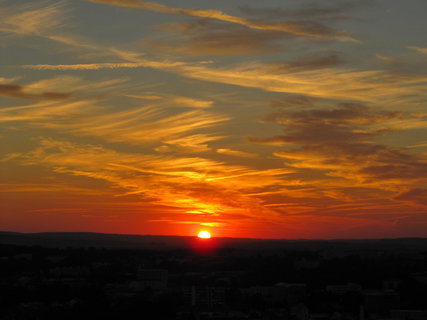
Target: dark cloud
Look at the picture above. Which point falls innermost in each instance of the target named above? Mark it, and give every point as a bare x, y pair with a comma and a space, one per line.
204, 37
341, 141
416, 195
18, 91
295, 100
343, 115
399, 166
327, 10
277, 140
310, 62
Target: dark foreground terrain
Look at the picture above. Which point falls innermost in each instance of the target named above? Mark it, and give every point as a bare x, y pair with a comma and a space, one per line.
100, 276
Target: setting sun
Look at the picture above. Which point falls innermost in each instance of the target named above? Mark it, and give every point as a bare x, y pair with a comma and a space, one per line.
204, 235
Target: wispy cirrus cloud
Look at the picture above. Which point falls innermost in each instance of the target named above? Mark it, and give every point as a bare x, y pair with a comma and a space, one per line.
175, 101
191, 102
334, 83
32, 19
133, 126
192, 183
386, 59
298, 77
419, 49
54, 107
195, 143
144, 124
42, 188
299, 28
43, 19
42, 112
164, 121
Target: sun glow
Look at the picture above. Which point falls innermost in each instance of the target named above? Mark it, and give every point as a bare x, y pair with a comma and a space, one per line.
204, 235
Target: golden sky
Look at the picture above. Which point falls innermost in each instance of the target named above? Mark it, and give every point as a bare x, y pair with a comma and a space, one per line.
273, 119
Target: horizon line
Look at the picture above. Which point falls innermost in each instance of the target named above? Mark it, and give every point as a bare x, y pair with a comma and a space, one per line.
214, 237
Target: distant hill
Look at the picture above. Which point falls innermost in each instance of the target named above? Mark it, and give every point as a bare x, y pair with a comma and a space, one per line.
87, 239
151, 242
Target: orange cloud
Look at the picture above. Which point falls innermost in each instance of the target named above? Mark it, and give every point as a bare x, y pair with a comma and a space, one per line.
236, 153
32, 19
187, 183
419, 49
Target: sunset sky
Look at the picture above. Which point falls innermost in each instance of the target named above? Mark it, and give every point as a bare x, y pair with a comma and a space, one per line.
267, 119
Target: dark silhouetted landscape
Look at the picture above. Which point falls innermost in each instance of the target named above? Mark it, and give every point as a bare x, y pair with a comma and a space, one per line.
107, 276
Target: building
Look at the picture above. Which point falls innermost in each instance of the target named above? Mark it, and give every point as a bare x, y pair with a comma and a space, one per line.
409, 314
204, 296
155, 279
